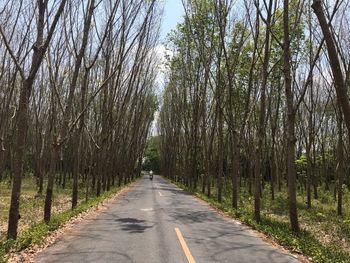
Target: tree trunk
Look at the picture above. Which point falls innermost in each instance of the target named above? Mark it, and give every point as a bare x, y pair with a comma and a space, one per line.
220, 156
339, 82
340, 166
235, 170
50, 182
20, 145
291, 140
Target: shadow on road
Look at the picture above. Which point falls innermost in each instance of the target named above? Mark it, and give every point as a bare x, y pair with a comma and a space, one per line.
133, 225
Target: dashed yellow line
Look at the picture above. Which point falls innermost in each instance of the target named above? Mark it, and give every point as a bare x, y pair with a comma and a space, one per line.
184, 246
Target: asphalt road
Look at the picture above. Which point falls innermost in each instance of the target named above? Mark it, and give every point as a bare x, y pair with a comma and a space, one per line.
158, 222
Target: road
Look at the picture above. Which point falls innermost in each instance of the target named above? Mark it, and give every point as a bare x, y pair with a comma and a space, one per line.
158, 222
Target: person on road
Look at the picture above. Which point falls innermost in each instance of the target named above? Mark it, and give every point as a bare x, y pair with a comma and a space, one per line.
151, 174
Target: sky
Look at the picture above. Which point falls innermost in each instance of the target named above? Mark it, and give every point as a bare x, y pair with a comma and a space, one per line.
173, 13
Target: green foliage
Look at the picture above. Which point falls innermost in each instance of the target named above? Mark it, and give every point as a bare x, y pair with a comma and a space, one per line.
302, 160
152, 156
327, 157
301, 164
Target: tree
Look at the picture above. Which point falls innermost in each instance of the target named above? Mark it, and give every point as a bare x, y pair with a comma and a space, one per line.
291, 112
152, 156
86, 105
39, 50
339, 82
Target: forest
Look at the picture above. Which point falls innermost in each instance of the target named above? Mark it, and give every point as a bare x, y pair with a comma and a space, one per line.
77, 99
255, 114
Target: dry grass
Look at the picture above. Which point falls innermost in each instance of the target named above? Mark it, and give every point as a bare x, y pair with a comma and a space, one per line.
31, 205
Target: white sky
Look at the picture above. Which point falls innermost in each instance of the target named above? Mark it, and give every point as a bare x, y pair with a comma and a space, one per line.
173, 14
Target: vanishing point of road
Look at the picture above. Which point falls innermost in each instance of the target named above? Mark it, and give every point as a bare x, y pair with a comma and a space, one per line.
158, 222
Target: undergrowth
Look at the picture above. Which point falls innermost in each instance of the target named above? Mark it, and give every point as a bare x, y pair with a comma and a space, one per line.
35, 234
303, 242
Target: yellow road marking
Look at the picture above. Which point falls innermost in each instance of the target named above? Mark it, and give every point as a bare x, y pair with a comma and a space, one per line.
184, 246
160, 193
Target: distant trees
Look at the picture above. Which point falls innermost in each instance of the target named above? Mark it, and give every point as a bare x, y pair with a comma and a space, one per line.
152, 155
77, 94
249, 96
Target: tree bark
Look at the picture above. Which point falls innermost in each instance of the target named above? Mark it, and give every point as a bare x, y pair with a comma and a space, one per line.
291, 140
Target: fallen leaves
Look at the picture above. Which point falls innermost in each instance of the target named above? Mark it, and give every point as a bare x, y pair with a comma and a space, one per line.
29, 253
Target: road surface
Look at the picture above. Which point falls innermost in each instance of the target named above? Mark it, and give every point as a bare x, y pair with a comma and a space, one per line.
158, 222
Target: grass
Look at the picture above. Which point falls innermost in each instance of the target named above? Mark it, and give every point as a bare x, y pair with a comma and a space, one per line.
34, 231
324, 236
31, 205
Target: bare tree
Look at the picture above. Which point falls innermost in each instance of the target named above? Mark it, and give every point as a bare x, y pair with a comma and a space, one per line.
39, 50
